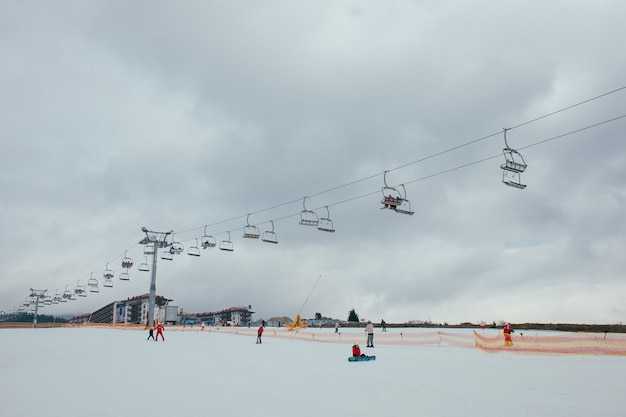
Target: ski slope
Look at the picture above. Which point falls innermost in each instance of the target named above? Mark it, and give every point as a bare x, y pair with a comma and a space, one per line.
91, 372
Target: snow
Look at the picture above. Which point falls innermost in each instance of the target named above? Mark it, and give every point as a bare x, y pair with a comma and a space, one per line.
115, 372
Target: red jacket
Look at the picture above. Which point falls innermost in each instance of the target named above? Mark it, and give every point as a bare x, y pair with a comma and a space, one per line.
260, 331
507, 329
356, 351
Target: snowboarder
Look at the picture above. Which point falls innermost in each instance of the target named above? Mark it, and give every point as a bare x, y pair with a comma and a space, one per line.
150, 333
356, 351
507, 334
159, 330
369, 329
383, 325
259, 333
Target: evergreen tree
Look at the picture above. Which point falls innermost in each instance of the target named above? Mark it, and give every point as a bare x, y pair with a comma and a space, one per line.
352, 316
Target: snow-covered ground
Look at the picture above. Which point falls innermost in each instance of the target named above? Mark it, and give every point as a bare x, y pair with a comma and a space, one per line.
111, 372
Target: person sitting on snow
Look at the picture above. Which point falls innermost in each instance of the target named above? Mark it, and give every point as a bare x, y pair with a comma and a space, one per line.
356, 351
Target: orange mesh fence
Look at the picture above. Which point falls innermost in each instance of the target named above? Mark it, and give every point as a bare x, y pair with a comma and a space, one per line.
560, 344
565, 344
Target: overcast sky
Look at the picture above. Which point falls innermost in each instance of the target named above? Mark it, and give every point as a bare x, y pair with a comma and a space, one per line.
190, 116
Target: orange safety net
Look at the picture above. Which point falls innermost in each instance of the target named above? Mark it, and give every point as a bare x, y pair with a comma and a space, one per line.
565, 344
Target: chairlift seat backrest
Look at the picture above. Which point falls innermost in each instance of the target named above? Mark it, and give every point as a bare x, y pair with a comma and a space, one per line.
124, 276
108, 283
193, 251
513, 166
167, 255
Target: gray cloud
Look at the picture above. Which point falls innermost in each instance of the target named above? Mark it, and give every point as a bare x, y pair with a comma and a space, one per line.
115, 116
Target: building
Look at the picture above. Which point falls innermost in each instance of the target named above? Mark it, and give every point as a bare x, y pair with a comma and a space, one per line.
134, 310
233, 316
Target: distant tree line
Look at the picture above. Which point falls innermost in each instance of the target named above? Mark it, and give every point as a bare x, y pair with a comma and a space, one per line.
28, 318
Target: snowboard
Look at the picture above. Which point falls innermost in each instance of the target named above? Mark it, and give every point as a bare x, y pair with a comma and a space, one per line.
361, 358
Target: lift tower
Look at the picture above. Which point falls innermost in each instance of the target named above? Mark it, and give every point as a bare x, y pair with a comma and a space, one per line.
158, 240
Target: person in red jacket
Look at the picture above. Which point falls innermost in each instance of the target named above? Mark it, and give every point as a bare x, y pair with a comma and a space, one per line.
259, 333
507, 335
356, 351
159, 330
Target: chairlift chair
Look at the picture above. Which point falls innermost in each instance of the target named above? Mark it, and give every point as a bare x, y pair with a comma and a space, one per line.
514, 165
107, 273
194, 250
227, 245
127, 262
308, 217
176, 248
124, 276
207, 241
80, 290
167, 254
108, 283
92, 283
144, 265
325, 223
392, 198
270, 236
148, 250
250, 231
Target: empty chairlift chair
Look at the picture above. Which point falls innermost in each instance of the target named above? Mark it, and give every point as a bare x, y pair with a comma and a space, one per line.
325, 223
514, 164
250, 231
92, 283
143, 266
194, 250
308, 217
167, 254
227, 245
270, 236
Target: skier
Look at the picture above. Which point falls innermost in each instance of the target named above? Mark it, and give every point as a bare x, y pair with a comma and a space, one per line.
259, 333
383, 325
150, 333
369, 329
507, 335
159, 330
